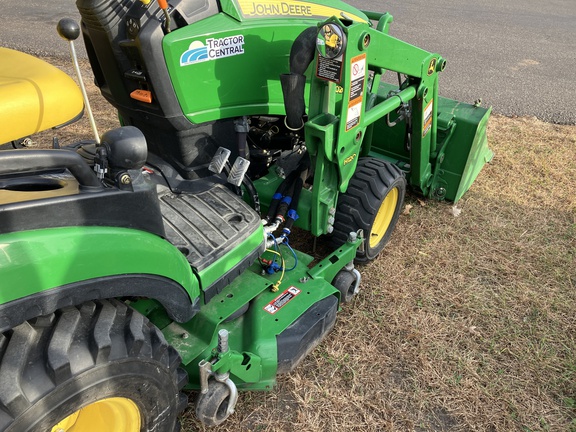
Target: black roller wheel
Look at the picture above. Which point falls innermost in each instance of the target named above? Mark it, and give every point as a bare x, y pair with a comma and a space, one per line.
345, 282
100, 366
372, 202
212, 406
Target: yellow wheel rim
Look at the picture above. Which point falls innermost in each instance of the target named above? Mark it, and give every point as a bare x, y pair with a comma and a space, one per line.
383, 217
112, 414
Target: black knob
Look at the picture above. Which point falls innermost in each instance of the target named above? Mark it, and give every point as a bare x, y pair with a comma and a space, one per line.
68, 29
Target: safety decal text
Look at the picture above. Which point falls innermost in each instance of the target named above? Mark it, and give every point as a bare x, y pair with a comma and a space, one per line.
282, 300
213, 49
357, 82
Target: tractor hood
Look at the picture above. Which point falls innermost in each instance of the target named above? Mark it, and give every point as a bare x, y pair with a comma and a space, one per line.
267, 9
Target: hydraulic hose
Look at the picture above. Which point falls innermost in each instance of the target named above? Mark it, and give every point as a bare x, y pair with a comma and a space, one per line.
280, 192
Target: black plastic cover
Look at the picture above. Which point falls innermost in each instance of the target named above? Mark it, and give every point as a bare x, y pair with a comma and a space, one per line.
122, 36
137, 209
304, 334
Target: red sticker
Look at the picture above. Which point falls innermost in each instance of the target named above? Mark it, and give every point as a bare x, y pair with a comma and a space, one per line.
282, 300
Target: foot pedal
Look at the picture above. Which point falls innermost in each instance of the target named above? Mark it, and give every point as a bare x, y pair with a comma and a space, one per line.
238, 170
219, 160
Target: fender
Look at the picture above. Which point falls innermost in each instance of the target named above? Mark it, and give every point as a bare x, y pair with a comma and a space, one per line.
43, 270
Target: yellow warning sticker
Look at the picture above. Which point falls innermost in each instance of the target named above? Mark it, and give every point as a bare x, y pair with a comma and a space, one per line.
293, 8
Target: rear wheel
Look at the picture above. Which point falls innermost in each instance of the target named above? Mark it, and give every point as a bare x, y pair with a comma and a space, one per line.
372, 202
99, 366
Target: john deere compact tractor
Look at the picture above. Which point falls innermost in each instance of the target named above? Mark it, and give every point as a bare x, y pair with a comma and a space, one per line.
158, 256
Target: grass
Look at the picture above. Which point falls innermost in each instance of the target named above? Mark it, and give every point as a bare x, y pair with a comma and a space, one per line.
464, 323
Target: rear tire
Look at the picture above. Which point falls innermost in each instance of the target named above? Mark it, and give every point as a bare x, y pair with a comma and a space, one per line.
97, 366
372, 202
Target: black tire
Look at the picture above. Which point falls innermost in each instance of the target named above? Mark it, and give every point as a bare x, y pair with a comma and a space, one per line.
376, 184
96, 356
212, 406
345, 281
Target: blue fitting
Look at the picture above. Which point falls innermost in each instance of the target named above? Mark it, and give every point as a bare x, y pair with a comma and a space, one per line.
273, 268
287, 200
277, 195
292, 214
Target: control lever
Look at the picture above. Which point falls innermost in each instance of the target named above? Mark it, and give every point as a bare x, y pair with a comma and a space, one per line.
70, 30
164, 6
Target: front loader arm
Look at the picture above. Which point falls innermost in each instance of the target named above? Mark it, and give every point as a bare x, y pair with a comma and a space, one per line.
343, 109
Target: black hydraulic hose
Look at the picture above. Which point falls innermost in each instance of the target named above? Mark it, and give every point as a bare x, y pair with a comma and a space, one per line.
28, 161
285, 202
252, 192
288, 191
280, 193
292, 214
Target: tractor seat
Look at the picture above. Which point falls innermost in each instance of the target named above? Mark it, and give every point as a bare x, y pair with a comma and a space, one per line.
34, 96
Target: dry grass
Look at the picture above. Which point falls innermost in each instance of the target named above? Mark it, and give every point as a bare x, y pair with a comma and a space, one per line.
464, 323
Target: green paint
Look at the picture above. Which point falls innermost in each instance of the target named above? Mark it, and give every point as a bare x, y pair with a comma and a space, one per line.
253, 359
225, 264
34, 261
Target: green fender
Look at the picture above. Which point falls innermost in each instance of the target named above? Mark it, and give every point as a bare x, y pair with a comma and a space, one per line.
44, 270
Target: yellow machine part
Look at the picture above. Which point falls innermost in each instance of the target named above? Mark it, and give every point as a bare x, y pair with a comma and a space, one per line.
34, 96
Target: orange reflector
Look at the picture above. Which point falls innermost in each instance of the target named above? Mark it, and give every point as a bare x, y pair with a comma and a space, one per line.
142, 95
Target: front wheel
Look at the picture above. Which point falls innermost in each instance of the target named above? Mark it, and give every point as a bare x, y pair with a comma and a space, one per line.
100, 366
372, 202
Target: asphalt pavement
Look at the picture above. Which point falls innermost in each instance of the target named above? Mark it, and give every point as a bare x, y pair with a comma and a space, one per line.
518, 56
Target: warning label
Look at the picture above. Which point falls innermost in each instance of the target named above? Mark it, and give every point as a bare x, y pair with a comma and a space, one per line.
427, 118
357, 82
357, 77
282, 300
353, 118
329, 69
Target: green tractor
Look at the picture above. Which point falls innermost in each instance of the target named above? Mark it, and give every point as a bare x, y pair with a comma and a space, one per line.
158, 257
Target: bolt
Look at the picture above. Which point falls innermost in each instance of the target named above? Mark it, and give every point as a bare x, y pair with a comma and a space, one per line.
329, 229
332, 211
366, 41
125, 179
440, 193
184, 335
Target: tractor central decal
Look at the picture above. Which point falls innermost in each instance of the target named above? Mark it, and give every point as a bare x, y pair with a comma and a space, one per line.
213, 49
283, 9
